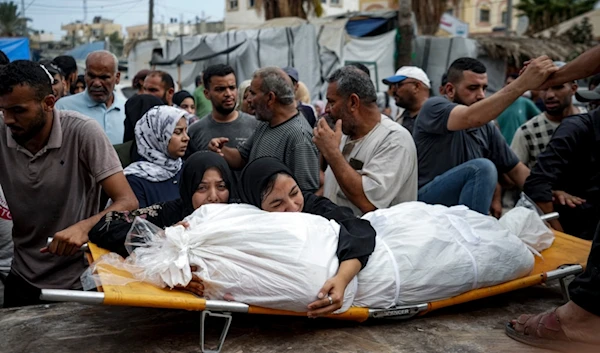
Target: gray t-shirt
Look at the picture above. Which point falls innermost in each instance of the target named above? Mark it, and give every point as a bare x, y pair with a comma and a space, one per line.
206, 129
6, 244
291, 143
52, 190
440, 149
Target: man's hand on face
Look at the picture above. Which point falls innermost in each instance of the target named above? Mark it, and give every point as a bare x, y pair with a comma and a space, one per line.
326, 139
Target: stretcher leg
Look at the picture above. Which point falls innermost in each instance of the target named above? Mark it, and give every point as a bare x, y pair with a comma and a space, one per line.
203, 315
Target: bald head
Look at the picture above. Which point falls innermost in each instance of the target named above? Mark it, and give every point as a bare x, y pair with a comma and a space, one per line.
101, 76
103, 57
274, 79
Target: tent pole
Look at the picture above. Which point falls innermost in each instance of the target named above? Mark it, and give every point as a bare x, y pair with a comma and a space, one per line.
179, 76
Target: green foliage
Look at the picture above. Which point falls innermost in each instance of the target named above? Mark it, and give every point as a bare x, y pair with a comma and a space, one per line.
544, 14
11, 22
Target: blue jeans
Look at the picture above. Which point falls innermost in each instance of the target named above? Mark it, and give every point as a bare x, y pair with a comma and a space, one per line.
471, 184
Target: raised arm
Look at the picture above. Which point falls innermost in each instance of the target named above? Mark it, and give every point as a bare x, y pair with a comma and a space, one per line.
584, 65
464, 117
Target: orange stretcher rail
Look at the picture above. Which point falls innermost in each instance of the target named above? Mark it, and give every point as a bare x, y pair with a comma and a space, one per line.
566, 250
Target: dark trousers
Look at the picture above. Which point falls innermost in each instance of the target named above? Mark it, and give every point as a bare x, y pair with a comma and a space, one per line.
585, 289
18, 292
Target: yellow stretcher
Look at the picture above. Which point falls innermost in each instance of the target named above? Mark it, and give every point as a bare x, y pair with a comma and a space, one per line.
567, 256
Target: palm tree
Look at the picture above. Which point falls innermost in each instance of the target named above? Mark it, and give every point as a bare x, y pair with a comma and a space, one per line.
11, 22
288, 8
544, 14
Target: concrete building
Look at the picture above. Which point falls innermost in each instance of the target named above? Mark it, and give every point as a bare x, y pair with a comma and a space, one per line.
81, 33
173, 29
241, 14
483, 16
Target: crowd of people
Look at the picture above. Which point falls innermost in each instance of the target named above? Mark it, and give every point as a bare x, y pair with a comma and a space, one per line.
82, 156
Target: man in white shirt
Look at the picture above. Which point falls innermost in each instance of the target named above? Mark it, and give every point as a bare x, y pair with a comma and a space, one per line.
373, 164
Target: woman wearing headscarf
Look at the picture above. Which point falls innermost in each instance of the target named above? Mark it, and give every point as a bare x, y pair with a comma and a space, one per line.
161, 138
205, 178
242, 98
269, 185
184, 100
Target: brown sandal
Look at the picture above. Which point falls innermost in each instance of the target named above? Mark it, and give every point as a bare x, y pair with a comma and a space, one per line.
544, 331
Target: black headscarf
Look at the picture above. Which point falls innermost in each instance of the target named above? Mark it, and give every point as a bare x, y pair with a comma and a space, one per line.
180, 96
193, 172
135, 108
256, 175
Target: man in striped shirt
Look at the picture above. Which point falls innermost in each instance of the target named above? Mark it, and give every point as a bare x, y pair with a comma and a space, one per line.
283, 133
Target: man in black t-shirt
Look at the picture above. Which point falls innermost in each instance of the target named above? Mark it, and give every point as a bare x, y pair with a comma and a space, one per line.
460, 153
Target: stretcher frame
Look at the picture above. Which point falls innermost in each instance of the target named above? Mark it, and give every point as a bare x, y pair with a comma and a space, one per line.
574, 263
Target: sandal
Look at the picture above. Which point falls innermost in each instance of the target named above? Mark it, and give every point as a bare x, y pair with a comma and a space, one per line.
544, 331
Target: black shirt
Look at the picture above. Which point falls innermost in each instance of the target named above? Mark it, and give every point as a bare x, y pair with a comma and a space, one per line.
571, 163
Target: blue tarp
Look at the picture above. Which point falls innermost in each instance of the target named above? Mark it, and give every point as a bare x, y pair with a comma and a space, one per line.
15, 48
81, 52
359, 28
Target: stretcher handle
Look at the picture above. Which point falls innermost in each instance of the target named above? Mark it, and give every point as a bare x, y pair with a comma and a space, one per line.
549, 216
84, 247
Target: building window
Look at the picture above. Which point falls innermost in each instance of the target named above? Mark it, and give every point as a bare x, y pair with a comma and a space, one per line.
251, 4
232, 5
484, 14
336, 2
504, 18
323, 1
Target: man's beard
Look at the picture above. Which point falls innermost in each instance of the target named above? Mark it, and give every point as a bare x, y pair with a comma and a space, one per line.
36, 126
262, 113
222, 110
458, 100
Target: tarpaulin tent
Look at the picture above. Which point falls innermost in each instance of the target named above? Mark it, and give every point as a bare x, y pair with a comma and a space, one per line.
80, 52
201, 52
15, 48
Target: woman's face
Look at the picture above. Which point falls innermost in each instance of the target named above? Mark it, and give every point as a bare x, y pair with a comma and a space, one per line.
285, 196
246, 108
179, 140
212, 189
188, 105
79, 87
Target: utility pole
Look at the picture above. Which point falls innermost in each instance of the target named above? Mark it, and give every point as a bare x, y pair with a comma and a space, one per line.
404, 37
84, 11
24, 24
509, 16
150, 18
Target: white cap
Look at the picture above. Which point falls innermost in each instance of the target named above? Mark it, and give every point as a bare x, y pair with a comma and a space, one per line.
408, 72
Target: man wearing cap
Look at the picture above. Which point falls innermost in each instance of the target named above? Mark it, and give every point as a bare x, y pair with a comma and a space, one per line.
460, 151
410, 88
306, 110
592, 96
99, 101
59, 83
531, 138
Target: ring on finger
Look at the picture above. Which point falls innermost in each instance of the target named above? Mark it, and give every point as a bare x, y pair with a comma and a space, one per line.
330, 300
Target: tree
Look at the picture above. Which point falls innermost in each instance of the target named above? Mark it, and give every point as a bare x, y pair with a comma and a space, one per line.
11, 22
544, 14
116, 43
288, 8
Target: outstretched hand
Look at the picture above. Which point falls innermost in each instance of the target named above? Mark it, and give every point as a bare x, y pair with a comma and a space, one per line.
565, 199
217, 144
334, 288
537, 71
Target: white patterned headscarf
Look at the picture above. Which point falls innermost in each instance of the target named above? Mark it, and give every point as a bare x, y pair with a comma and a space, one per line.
152, 135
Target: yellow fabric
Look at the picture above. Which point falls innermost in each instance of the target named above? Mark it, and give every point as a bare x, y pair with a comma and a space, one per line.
565, 250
